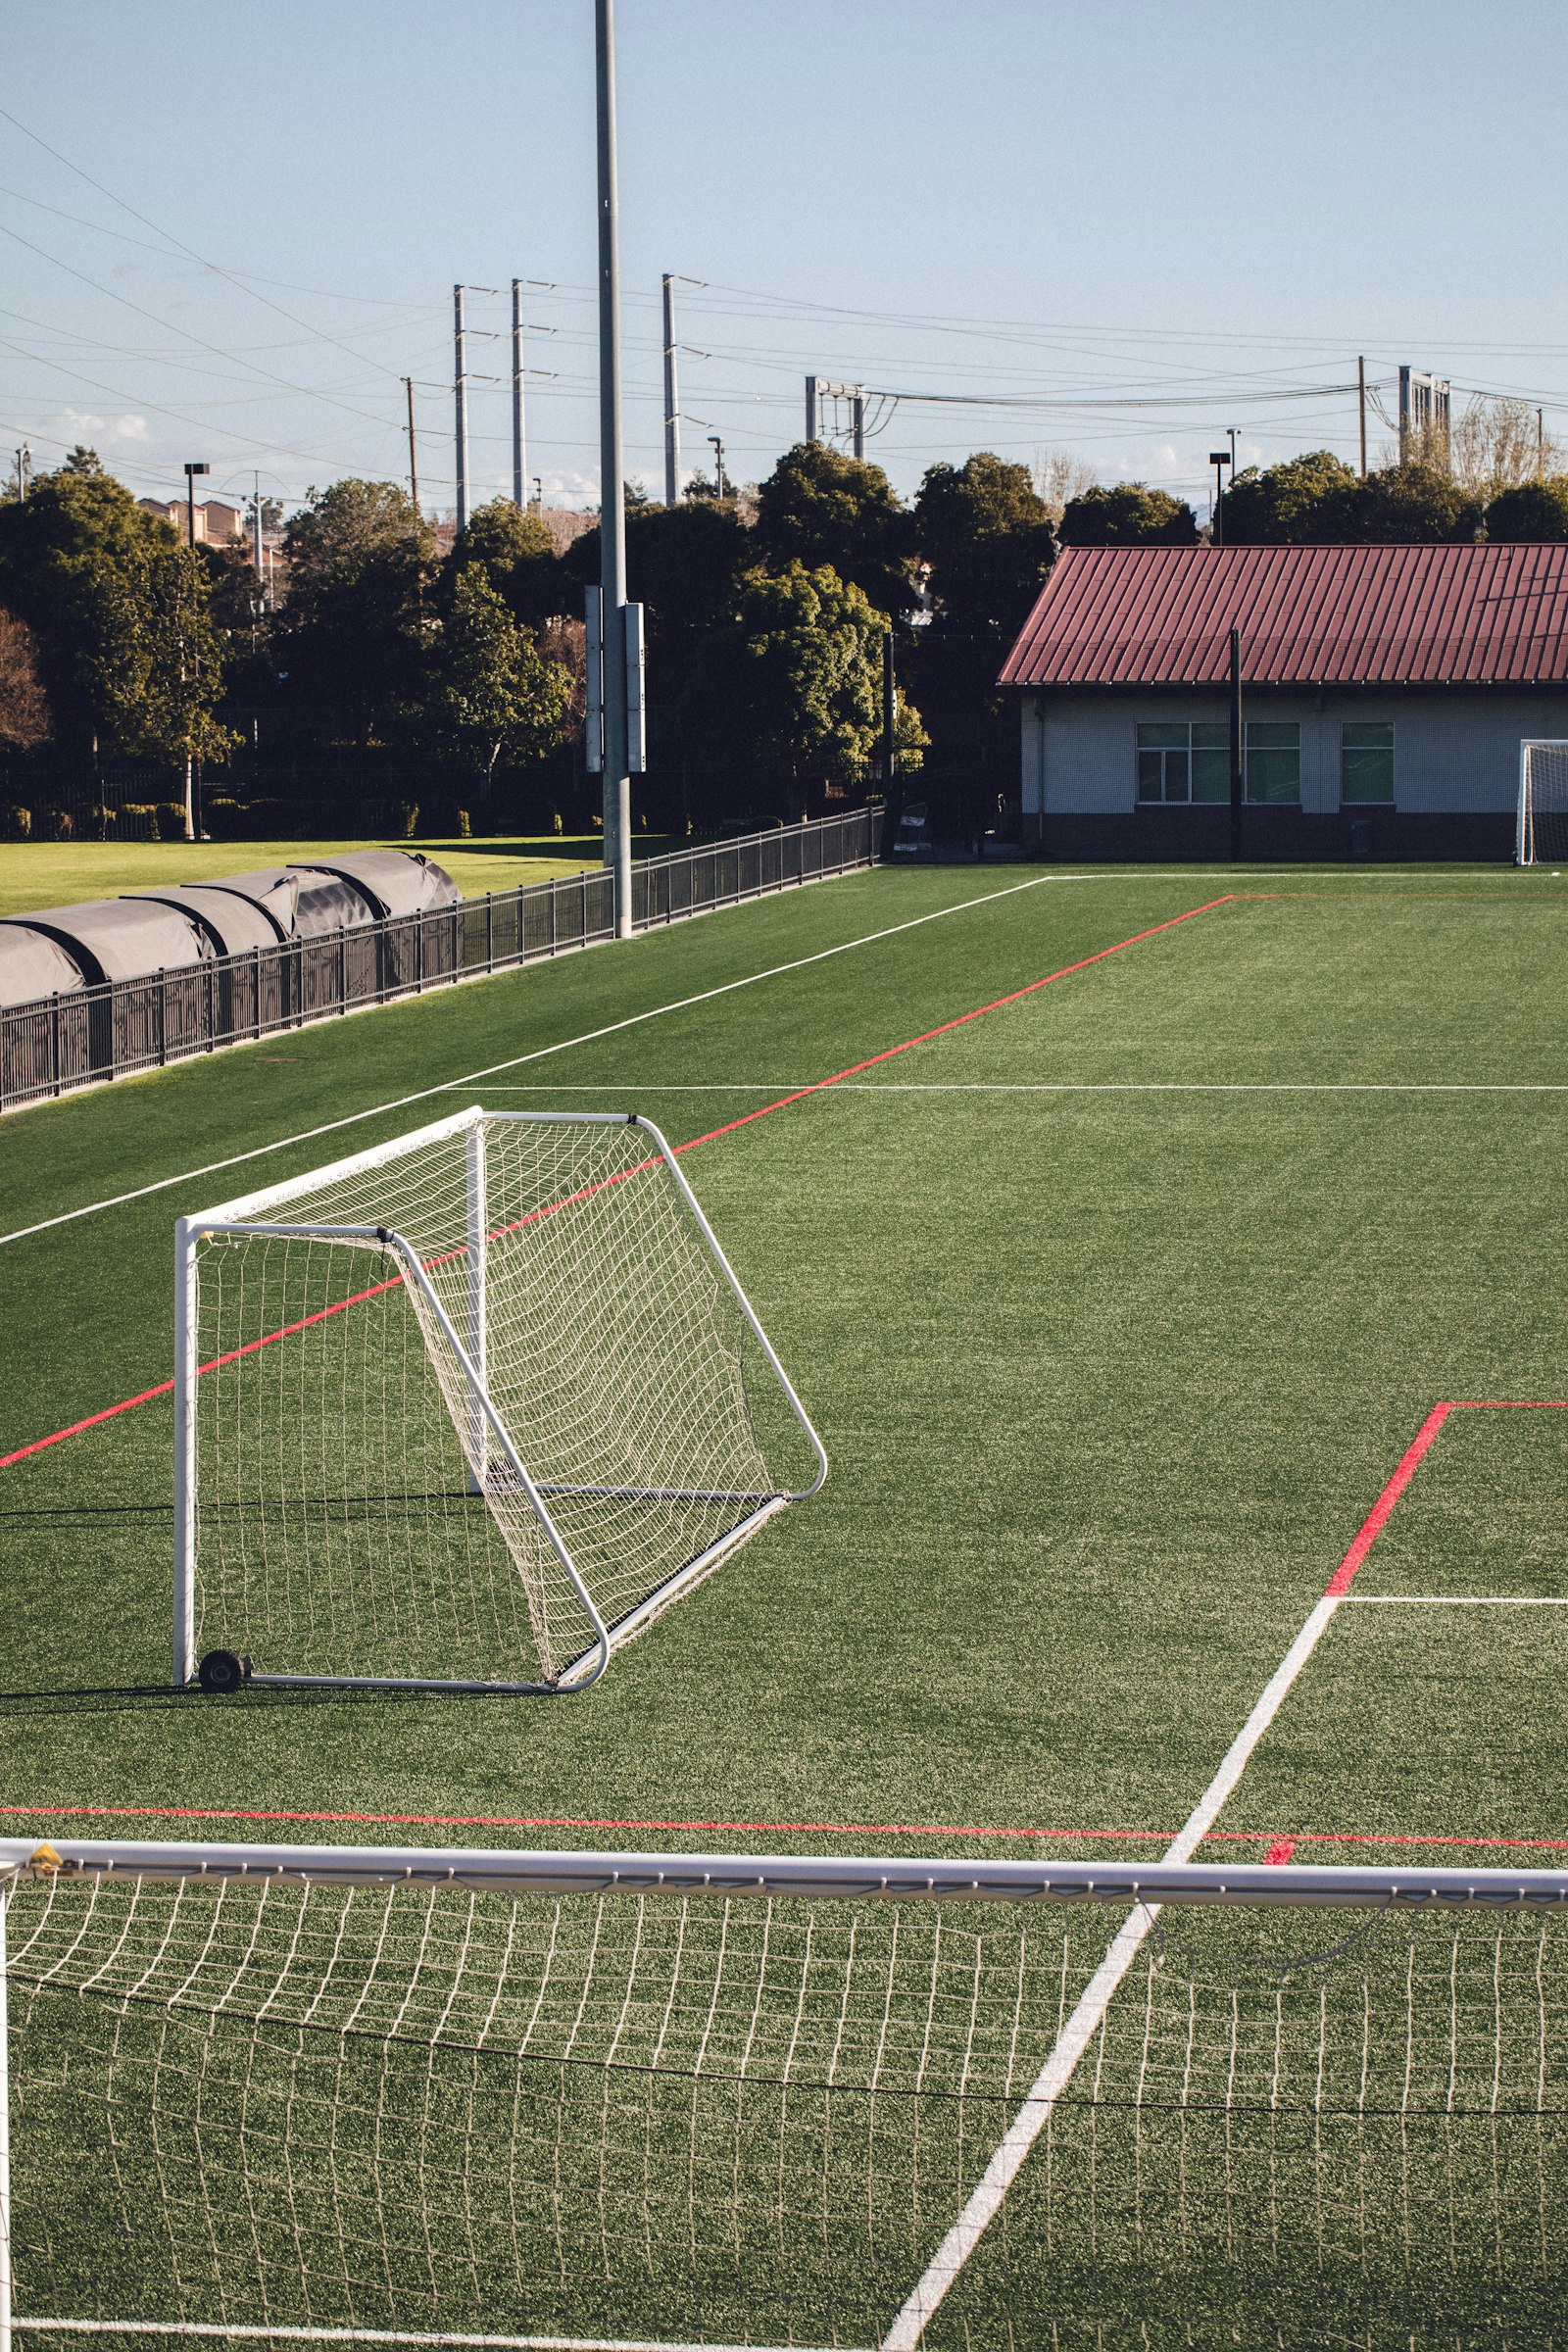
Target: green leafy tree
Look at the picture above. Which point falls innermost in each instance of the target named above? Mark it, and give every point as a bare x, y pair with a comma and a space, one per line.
494, 695
791, 689
1416, 502
23, 704
985, 535
818, 507
1298, 501
70, 555
1130, 515
1531, 510
682, 565
353, 623
171, 656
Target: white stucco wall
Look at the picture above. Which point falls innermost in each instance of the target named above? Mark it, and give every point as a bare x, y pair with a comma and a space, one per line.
1455, 754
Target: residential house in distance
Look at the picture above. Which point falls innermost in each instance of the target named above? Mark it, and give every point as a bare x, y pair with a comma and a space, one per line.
216, 522
1384, 688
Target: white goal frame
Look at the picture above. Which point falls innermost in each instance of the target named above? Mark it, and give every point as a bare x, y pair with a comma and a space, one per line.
256, 1213
1524, 839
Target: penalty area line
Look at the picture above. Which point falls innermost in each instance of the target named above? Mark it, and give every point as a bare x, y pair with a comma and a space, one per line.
1076, 2035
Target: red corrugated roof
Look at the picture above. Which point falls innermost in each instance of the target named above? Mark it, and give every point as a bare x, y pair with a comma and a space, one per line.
1308, 616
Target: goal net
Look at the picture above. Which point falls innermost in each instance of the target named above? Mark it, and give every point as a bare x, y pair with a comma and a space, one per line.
1542, 832
644, 2100
467, 1410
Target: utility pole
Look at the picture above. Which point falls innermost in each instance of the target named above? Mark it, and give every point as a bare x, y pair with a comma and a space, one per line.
671, 400
612, 483
1360, 403
1238, 750
811, 408
718, 447
414, 454
256, 527
519, 447
460, 402
1541, 443
857, 412
24, 461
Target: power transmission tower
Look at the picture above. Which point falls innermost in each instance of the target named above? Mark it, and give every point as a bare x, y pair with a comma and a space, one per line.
520, 448
819, 388
671, 400
460, 402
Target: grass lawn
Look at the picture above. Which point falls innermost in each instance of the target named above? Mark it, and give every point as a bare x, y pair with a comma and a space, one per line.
1117, 1307
62, 873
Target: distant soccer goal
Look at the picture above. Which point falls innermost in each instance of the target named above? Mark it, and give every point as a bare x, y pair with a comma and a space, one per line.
666, 2100
465, 1411
1541, 836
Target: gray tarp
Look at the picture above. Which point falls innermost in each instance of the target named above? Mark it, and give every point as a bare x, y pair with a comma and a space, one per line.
235, 924
306, 901
33, 965
121, 939
272, 888
395, 881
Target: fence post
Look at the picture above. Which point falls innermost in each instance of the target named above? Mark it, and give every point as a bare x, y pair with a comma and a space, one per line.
490, 932
342, 971
163, 1017
54, 1041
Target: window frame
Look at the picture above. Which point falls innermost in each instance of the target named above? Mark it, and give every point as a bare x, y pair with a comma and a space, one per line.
1391, 747
1188, 749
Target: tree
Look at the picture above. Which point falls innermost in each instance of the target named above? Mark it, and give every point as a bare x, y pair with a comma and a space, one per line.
1499, 444
352, 625
494, 692
23, 704
791, 689
170, 657
69, 554
1059, 478
818, 507
1532, 511
1290, 504
1416, 502
1129, 516
985, 534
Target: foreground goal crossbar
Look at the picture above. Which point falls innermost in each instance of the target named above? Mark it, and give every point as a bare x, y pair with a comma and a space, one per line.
637, 2102
484, 1398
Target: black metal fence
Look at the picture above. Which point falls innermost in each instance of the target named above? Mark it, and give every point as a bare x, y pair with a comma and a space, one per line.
81, 1038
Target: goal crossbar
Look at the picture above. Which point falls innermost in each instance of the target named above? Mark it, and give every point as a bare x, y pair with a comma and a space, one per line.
566, 2101
488, 1438
1541, 823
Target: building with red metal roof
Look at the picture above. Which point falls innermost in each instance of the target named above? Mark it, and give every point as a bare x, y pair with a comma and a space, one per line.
1385, 693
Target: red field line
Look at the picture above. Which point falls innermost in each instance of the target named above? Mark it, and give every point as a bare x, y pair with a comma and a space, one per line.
165, 1387
1280, 1847
1367, 1533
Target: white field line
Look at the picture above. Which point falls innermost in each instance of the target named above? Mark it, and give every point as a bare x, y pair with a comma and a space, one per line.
373, 2335
1054, 1086
1079, 2031
1458, 1600
93, 1209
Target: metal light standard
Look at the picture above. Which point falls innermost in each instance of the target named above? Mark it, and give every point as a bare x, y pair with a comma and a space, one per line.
612, 483
1219, 458
717, 448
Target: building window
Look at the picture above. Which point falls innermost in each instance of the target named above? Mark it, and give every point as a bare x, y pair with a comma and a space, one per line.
1181, 761
1273, 763
1366, 764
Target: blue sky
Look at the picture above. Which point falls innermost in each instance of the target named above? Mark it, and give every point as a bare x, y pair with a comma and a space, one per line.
1086, 203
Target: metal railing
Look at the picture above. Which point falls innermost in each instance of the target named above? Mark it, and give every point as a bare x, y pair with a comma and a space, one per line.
88, 1036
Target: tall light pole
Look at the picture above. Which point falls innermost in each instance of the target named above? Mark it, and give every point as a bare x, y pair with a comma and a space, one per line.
717, 448
611, 479
1219, 458
191, 471
520, 443
460, 403
671, 400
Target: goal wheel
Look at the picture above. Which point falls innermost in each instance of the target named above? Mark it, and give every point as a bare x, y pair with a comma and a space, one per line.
220, 1672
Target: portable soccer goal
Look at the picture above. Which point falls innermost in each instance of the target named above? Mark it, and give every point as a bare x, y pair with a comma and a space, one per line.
638, 2100
465, 1411
1541, 835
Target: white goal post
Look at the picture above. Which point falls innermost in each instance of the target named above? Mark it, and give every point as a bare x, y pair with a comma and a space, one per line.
465, 1411
1540, 831
638, 2102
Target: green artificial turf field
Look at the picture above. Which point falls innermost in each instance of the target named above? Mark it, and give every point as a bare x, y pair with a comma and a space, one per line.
1118, 1307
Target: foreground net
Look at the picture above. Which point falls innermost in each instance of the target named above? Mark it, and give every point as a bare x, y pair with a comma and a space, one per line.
1542, 831
662, 2112
469, 1409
